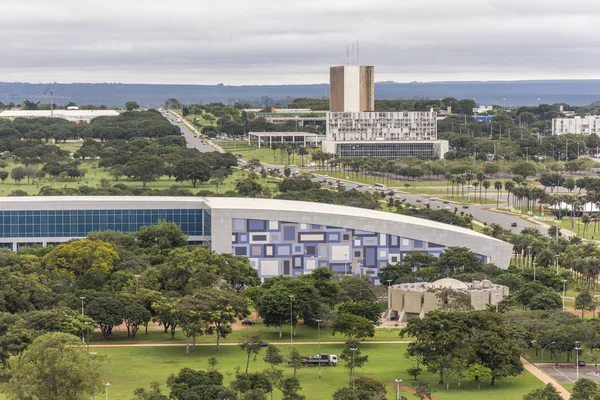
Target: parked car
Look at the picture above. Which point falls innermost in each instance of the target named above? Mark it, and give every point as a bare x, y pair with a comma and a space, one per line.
247, 322
465, 206
513, 224
581, 363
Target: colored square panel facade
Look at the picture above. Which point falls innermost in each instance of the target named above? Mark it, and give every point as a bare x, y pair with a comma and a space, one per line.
293, 249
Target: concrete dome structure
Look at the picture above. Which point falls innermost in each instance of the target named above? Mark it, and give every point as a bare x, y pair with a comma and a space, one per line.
450, 283
409, 300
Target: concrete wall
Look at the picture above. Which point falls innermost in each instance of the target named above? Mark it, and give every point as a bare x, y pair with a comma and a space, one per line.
336, 89
352, 88
367, 88
413, 302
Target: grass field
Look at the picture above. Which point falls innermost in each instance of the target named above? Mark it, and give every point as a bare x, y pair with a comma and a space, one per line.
131, 367
264, 154
95, 174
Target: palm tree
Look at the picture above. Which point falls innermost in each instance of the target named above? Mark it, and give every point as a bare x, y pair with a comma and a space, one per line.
486, 185
480, 179
585, 219
509, 186
498, 187
302, 151
448, 177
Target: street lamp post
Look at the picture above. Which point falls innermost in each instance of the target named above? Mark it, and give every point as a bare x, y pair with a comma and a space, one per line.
529, 259
545, 347
82, 313
389, 310
564, 281
137, 283
107, 384
87, 330
397, 388
291, 320
557, 256
319, 336
577, 350
353, 366
345, 264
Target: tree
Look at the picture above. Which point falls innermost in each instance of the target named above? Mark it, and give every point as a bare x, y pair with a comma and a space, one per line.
524, 169
135, 315
414, 372
547, 393
190, 384
422, 390
79, 257
353, 358
295, 360
273, 356
252, 386
370, 310
585, 302
218, 176
289, 388
585, 389
356, 289
17, 174
107, 311
3, 176
479, 373
131, 105
252, 345
55, 366
154, 394
352, 326
222, 307
369, 389
145, 168
165, 235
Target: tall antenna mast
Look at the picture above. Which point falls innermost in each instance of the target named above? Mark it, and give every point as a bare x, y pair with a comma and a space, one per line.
353, 55
347, 54
51, 101
357, 53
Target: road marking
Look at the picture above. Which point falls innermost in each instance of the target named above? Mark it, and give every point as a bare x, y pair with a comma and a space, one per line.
572, 381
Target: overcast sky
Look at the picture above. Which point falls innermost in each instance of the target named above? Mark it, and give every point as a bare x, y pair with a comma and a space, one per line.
282, 42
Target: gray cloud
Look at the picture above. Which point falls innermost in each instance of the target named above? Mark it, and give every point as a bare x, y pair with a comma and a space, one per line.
268, 41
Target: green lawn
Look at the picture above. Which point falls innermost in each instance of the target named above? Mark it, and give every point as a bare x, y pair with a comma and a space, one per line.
95, 174
303, 334
130, 368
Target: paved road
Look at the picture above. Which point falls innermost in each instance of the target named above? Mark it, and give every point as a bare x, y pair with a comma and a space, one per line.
481, 213
192, 140
237, 344
545, 378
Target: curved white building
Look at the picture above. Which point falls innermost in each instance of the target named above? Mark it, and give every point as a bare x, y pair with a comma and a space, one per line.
279, 237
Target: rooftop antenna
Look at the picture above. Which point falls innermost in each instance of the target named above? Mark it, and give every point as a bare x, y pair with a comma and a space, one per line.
51, 101
347, 55
357, 54
353, 55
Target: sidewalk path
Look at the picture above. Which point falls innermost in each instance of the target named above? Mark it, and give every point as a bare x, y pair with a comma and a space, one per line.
234, 344
545, 378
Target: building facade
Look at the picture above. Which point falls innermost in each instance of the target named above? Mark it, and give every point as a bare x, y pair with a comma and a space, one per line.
366, 126
351, 88
387, 149
279, 237
578, 125
414, 300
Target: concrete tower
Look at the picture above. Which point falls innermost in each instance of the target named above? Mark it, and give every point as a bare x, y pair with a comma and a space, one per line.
351, 88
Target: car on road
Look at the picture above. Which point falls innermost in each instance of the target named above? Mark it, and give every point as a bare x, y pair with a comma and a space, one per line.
446, 202
513, 224
330, 183
448, 208
418, 200
247, 322
465, 206
581, 363
433, 198
326, 176
359, 186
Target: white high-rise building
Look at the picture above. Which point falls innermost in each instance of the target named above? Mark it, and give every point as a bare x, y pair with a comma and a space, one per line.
578, 125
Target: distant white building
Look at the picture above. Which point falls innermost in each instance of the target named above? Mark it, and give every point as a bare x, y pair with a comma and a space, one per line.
69, 115
578, 125
483, 109
388, 135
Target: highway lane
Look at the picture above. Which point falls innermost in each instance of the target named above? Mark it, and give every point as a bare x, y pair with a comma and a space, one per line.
193, 141
479, 212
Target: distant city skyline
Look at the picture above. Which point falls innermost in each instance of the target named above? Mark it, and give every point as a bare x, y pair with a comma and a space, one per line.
235, 42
